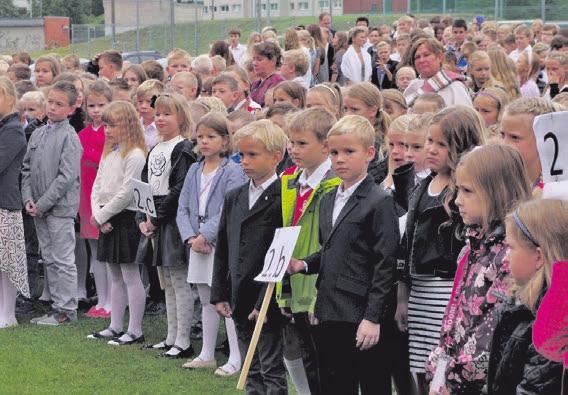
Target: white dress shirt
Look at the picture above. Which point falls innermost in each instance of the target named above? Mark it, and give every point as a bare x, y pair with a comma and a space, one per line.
255, 192
341, 198
314, 180
151, 136
238, 53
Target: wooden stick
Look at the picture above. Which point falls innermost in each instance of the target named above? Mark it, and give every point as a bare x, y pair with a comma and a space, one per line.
255, 336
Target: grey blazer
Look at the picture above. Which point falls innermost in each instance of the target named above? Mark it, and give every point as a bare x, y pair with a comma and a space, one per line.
229, 176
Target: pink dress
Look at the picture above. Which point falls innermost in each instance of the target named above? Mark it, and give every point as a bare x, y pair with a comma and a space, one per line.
93, 142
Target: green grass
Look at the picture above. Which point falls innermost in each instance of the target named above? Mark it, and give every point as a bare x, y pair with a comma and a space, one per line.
42, 360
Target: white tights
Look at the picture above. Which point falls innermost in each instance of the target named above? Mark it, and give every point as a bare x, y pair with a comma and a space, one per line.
8, 295
127, 289
103, 280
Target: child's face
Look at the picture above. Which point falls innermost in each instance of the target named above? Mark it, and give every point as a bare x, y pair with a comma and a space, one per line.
469, 199
522, 65
209, 142
258, 163
131, 79
95, 106
522, 41
373, 37
383, 54
79, 86
546, 36
287, 69
167, 123
516, 131
281, 96
349, 158
404, 27
524, 261
225, 94
6, 105
402, 47
307, 151
43, 74
316, 100
481, 71
396, 148
278, 119
459, 34
176, 65
394, 109
234, 39
415, 152
403, 80
106, 69
120, 95
352, 106
437, 150
112, 132
185, 89
487, 108
424, 106
144, 109
32, 109
58, 107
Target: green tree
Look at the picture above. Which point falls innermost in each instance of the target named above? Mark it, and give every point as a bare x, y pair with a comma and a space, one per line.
75, 10
8, 9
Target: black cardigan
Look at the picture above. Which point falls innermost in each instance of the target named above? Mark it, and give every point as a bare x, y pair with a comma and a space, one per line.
12, 152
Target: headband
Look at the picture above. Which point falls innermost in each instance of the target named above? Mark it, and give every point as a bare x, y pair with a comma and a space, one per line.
524, 228
491, 95
333, 92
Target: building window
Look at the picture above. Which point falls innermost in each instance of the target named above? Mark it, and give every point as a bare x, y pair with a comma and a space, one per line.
205, 10
236, 8
337, 3
303, 5
292, 5
324, 3
273, 6
224, 8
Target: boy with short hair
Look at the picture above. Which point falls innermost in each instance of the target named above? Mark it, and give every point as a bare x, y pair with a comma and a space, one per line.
19, 72
295, 66
154, 70
186, 82
358, 231
250, 216
50, 192
428, 102
226, 89
143, 104
302, 192
237, 49
459, 30
178, 60
402, 43
523, 37
110, 64
549, 30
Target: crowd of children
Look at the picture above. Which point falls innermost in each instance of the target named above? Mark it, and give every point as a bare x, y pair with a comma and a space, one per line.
427, 256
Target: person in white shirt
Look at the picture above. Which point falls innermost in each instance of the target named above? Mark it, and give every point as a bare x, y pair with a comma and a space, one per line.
237, 49
523, 37
356, 63
295, 67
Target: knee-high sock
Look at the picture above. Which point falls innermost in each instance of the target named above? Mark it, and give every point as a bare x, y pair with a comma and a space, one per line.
171, 307
184, 305
298, 375
8, 303
119, 298
136, 297
99, 270
210, 319
81, 264
234, 352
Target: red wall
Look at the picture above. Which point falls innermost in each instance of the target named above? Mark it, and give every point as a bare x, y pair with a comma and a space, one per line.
56, 31
364, 6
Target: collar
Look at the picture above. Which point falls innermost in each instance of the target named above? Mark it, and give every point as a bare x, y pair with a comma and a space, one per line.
151, 126
317, 176
349, 191
264, 185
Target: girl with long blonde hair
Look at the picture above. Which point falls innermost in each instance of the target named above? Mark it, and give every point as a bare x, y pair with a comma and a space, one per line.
479, 68
503, 70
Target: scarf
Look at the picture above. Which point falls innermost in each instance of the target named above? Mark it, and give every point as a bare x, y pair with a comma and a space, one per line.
434, 84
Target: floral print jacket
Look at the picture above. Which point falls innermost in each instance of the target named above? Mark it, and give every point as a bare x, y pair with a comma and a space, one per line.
467, 341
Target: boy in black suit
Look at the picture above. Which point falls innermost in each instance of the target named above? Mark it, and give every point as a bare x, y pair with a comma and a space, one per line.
250, 215
356, 266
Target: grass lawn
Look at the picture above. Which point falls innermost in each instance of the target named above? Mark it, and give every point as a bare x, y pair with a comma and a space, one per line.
40, 360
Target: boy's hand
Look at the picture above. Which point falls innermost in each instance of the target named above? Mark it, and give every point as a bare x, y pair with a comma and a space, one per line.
150, 226
224, 309
143, 226
31, 208
199, 244
440, 391
106, 227
253, 316
296, 266
367, 335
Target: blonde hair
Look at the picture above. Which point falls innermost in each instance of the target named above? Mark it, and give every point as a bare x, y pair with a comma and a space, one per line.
175, 102
533, 67
318, 121
178, 53
219, 63
331, 93
358, 30
268, 133
419, 124
498, 173
561, 99
8, 90
131, 136
400, 125
212, 103
479, 56
546, 221
218, 123
299, 60
503, 70
34, 96
371, 96
305, 35
533, 106
149, 87
522, 29
358, 126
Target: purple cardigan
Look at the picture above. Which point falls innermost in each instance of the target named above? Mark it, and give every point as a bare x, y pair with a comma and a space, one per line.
259, 87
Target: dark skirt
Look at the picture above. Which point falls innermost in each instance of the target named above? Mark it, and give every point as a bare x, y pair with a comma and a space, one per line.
164, 248
120, 244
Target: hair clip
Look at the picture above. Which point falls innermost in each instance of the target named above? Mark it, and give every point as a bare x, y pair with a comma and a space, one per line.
153, 101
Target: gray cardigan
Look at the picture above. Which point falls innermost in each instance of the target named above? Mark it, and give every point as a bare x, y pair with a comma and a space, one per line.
12, 151
229, 176
50, 173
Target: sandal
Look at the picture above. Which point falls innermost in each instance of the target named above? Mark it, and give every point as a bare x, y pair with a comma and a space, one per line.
226, 370
158, 346
198, 363
133, 340
178, 352
99, 335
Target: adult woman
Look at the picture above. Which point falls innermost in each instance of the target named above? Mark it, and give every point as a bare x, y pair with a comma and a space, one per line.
426, 55
356, 62
266, 59
13, 270
321, 73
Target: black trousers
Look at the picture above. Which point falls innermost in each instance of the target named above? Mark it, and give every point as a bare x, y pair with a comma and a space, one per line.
300, 342
344, 369
32, 254
267, 375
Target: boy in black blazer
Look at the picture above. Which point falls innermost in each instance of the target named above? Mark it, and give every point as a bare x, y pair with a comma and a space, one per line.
250, 215
356, 266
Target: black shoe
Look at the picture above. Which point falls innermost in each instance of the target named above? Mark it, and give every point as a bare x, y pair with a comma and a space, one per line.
196, 333
99, 335
181, 353
133, 340
155, 308
158, 346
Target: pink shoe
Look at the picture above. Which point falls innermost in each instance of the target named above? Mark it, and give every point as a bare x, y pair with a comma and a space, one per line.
93, 312
102, 313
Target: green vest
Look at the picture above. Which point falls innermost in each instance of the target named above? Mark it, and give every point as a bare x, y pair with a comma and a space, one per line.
299, 294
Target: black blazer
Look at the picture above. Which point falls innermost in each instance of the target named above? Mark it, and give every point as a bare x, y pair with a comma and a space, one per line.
391, 65
243, 240
356, 263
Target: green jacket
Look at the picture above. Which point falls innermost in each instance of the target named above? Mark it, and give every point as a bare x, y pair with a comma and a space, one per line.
298, 292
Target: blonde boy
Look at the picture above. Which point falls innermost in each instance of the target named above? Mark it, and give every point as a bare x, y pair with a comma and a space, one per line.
144, 94
186, 82
295, 66
523, 37
178, 60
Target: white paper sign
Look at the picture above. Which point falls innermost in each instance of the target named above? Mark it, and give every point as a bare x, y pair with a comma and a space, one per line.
551, 133
143, 199
278, 256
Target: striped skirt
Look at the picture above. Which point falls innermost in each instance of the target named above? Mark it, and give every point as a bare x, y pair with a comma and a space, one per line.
429, 297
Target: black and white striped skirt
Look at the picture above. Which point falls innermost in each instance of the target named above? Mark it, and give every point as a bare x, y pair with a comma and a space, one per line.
429, 297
